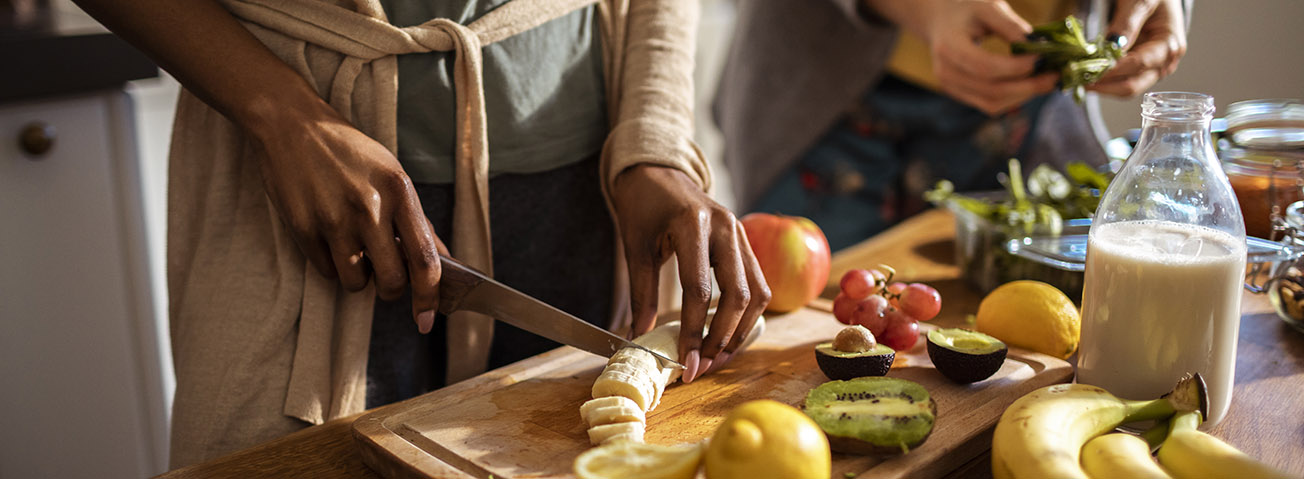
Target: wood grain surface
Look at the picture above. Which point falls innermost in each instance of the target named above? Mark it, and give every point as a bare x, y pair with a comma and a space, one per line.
532, 428
1266, 418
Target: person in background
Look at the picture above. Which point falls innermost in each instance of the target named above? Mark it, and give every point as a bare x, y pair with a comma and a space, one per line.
323, 149
846, 111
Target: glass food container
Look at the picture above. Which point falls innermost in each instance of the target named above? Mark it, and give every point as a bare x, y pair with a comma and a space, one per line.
1262, 153
1165, 261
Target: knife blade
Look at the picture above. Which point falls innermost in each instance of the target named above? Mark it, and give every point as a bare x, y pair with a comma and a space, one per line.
463, 288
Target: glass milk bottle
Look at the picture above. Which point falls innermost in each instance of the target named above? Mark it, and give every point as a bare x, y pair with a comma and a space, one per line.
1165, 263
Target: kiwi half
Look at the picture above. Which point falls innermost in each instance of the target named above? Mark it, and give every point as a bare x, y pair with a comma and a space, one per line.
872, 415
965, 356
846, 365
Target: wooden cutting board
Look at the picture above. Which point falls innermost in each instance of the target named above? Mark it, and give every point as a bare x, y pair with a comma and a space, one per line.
523, 421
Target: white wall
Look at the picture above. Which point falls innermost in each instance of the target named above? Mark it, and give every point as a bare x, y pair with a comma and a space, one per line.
1237, 50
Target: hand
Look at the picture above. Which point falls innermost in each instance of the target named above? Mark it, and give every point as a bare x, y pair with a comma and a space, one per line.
1156, 34
345, 200
953, 29
660, 212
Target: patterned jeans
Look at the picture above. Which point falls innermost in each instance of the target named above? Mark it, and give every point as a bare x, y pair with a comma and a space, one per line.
870, 170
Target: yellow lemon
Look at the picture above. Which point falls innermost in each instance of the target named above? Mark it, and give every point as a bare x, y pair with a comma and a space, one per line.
1031, 315
767, 439
636, 460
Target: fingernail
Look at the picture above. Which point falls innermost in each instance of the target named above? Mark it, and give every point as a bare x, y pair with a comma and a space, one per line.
425, 321
1117, 39
720, 360
690, 366
705, 367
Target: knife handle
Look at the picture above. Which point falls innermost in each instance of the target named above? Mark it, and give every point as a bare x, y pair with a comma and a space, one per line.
455, 281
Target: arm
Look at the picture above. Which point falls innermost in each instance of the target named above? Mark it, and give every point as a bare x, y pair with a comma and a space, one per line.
991, 82
339, 192
656, 180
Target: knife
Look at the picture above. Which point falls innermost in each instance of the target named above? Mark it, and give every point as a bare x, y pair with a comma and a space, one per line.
462, 288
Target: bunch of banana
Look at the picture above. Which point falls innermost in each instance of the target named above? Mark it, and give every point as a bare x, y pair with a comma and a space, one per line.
632, 384
1042, 433
1061, 431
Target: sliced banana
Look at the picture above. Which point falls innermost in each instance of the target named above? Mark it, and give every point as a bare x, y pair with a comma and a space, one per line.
614, 414
634, 357
607, 401
616, 382
633, 382
630, 431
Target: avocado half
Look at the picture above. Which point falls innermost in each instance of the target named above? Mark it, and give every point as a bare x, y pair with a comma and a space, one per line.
965, 356
846, 365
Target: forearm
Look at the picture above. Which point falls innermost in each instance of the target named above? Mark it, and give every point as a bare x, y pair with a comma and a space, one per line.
655, 121
215, 57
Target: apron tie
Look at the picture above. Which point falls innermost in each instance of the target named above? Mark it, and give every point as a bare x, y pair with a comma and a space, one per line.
470, 334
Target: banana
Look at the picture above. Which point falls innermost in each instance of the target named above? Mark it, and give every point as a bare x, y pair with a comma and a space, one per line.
626, 431
1041, 435
1117, 455
587, 408
1189, 453
600, 415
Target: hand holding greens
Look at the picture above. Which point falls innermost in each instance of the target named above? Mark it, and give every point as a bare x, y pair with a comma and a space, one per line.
1063, 47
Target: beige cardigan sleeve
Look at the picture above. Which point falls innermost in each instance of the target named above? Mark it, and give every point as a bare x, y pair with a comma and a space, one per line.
653, 120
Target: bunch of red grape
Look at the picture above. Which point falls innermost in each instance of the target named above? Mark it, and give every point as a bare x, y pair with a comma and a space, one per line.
890, 310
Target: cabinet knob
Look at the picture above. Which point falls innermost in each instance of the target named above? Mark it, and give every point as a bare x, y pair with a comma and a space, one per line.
37, 138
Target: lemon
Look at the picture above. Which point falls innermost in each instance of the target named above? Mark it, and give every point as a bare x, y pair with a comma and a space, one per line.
636, 460
1031, 315
766, 439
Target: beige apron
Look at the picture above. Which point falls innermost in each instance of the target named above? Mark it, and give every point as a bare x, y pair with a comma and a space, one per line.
260, 340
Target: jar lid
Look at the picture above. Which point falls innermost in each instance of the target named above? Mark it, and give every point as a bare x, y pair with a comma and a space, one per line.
1273, 124
1257, 159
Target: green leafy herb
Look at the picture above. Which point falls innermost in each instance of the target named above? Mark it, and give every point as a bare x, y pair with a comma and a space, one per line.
1063, 47
1038, 204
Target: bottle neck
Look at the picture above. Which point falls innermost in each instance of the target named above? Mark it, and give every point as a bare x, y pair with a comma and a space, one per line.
1187, 135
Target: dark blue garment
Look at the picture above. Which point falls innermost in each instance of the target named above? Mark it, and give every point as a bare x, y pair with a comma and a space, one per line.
871, 169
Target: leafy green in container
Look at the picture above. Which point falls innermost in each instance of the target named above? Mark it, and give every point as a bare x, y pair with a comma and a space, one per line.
1039, 204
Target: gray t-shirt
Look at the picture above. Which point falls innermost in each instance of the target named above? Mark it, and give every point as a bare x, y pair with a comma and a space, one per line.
544, 97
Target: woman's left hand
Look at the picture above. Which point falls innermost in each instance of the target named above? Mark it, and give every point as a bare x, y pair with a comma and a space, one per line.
660, 212
1156, 33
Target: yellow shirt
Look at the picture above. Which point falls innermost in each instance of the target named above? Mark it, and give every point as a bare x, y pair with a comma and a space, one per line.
912, 60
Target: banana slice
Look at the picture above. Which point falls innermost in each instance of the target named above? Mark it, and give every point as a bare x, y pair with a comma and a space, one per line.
629, 431
607, 401
614, 414
611, 410
634, 357
636, 386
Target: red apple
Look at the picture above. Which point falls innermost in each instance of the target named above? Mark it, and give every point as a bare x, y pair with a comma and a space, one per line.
794, 257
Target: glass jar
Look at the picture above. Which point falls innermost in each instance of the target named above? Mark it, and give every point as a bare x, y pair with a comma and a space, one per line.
1286, 290
1165, 262
1262, 153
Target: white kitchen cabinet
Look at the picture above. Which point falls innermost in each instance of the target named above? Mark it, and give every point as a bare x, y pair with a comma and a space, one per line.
80, 364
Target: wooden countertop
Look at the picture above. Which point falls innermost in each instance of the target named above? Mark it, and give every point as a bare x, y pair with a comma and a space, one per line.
1266, 418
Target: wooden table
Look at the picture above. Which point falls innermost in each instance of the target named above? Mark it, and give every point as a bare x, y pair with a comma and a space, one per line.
1266, 418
